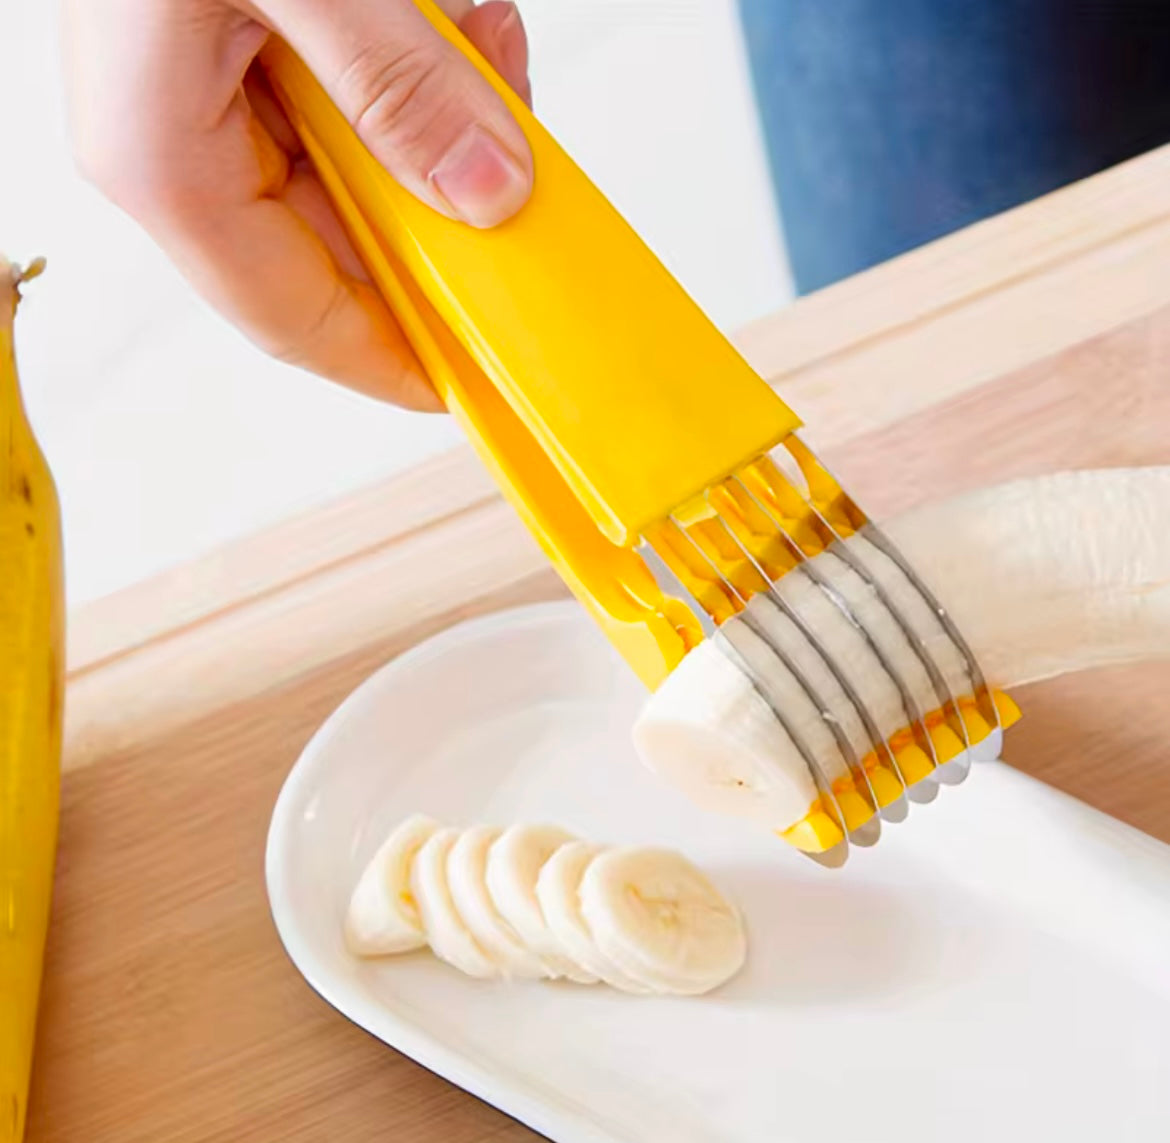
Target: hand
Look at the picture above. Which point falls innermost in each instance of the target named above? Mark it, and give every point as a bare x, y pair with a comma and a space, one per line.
173, 120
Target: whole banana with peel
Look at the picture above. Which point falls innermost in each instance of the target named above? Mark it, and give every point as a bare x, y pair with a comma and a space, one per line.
31, 692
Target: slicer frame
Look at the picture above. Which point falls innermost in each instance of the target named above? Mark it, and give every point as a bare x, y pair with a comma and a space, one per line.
610, 411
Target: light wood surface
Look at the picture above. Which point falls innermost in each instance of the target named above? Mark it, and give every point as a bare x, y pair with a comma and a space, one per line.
1036, 341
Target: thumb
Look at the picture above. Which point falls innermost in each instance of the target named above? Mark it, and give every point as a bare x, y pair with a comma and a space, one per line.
416, 102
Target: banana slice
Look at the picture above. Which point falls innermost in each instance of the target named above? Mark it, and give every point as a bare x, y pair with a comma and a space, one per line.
513, 866
467, 877
533, 902
557, 890
656, 917
383, 916
449, 938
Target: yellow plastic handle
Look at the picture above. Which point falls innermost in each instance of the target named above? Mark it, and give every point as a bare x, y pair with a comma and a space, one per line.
610, 580
638, 401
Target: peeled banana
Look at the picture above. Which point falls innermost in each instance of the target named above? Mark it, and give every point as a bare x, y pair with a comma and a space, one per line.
1043, 577
31, 687
1054, 575
534, 902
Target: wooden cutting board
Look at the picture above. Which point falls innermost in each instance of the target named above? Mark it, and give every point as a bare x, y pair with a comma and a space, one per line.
1034, 342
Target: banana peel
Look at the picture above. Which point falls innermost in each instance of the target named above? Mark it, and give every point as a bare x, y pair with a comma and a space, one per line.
31, 703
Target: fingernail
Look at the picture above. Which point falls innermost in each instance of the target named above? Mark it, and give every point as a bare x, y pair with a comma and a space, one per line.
481, 182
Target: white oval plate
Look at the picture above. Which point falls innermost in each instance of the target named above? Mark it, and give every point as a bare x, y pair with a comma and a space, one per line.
997, 967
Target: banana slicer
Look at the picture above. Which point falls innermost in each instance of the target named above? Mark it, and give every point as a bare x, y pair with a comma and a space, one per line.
663, 478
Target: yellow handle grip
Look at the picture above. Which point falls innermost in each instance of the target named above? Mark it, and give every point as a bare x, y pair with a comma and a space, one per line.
639, 402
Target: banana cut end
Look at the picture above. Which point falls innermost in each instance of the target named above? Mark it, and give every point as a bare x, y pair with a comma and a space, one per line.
710, 731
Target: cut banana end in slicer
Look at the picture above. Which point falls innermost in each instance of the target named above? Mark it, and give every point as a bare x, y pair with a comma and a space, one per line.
665, 481
877, 697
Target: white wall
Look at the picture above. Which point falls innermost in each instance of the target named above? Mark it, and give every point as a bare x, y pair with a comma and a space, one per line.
168, 433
